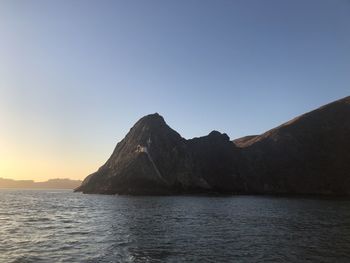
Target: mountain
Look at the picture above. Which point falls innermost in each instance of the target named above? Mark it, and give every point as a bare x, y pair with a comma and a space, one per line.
50, 184
155, 159
307, 155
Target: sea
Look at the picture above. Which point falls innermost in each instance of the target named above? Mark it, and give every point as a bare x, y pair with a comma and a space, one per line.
62, 226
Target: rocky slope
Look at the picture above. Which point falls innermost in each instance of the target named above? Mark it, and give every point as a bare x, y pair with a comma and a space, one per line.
308, 155
154, 159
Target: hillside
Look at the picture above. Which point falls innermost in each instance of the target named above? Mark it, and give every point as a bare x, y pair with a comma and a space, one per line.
307, 155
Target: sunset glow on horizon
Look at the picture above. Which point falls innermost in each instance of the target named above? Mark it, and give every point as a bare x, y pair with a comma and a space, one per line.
32, 161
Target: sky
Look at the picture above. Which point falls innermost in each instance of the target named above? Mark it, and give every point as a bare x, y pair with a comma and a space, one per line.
76, 75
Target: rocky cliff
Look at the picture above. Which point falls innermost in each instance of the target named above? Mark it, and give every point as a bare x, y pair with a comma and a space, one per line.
155, 159
307, 155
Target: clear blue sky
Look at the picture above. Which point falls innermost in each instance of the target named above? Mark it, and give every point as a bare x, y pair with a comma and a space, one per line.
76, 75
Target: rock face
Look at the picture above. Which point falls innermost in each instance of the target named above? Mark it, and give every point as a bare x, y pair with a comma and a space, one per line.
154, 159
307, 155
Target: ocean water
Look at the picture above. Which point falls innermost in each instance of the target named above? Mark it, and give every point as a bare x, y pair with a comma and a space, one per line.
62, 226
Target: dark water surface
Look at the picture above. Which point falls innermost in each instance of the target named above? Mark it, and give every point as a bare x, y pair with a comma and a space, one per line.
61, 226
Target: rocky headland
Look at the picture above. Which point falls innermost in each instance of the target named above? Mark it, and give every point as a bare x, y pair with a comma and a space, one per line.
307, 155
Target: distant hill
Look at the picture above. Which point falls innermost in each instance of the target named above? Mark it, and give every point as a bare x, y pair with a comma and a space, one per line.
50, 184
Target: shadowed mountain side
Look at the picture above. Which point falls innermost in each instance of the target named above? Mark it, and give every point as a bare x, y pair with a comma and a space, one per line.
307, 155
154, 159
215, 159
242, 142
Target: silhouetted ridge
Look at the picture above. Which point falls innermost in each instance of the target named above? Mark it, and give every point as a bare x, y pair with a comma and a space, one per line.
307, 155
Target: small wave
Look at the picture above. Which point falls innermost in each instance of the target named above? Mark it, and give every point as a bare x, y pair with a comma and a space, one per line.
28, 259
40, 219
78, 233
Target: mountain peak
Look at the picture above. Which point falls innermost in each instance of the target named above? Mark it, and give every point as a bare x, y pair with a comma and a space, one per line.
149, 124
217, 134
154, 118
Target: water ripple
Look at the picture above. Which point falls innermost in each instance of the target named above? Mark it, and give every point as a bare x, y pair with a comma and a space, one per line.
60, 226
